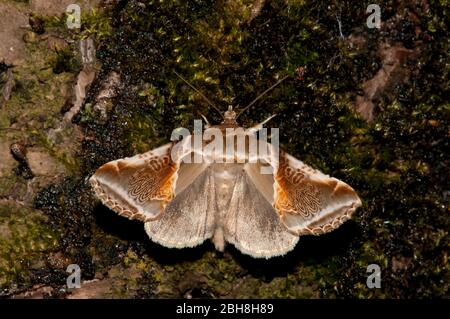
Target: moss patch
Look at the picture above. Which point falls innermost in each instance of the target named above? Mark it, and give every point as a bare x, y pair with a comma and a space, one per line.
25, 241
397, 164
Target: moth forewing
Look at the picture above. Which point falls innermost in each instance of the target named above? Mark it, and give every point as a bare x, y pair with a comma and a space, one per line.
310, 202
137, 187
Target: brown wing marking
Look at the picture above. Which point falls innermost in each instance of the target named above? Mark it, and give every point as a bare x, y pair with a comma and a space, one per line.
138, 187
154, 182
310, 202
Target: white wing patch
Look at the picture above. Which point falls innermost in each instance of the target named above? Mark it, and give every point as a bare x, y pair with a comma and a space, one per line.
189, 219
252, 225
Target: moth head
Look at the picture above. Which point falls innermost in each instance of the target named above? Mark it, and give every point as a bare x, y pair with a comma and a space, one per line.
230, 115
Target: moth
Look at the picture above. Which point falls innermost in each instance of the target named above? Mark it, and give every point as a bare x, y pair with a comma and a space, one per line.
228, 200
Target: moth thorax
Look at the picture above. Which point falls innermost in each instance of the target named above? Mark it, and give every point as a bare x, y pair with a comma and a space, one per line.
230, 116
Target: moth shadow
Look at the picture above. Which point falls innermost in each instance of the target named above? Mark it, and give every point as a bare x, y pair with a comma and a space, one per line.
133, 231
309, 250
172, 256
114, 224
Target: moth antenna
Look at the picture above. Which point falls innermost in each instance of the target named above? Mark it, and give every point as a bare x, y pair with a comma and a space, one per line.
206, 120
201, 94
268, 119
259, 126
261, 95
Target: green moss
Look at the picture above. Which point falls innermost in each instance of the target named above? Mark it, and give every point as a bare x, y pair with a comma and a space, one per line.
398, 164
96, 24
41, 87
12, 184
25, 242
64, 61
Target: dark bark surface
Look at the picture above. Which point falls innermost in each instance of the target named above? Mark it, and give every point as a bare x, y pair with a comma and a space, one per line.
368, 106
